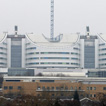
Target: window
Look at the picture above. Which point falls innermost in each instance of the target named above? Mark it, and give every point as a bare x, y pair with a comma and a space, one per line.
74, 58
57, 88
30, 48
74, 53
71, 88
10, 87
52, 95
54, 52
3, 58
102, 49
74, 64
3, 48
43, 88
102, 54
94, 88
87, 88
52, 88
90, 88
81, 95
12, 80
32, 63
75, 88
5, 87
90, 95
3, 53
48, 88
62, 88
27, 43
33, 80
4, 43
53, 63
104, 88
32, 53
75, 48
38, 95
79, 88
102, 64
54, 58
103, 59
94, 95
66, 88
19, 87
2, 63
46, 80
101, 44
32, 58
38, 88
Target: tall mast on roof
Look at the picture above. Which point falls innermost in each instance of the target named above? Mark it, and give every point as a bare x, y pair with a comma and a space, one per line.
52, 38
52, 20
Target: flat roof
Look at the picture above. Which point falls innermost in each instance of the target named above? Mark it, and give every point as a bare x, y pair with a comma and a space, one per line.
66, 39
54, 78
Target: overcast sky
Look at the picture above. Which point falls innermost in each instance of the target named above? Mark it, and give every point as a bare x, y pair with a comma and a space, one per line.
71, 16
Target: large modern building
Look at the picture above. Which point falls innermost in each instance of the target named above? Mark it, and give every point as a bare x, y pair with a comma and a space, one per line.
68, 62
65, 51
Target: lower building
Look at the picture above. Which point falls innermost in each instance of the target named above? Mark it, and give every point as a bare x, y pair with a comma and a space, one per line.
63, 72
62, 87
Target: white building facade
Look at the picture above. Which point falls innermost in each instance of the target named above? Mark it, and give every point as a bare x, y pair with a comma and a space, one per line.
36, 51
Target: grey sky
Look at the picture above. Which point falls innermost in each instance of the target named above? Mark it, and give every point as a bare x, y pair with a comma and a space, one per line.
71, 16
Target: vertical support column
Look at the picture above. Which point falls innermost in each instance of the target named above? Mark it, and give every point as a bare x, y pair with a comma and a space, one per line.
52, 19
9, 52
82, 53
96, 54
23, 53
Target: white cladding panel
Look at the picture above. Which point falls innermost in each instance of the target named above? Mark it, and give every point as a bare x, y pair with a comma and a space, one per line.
37, 51
96, 54
23, 53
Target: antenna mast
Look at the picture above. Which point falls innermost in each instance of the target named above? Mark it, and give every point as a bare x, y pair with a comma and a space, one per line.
52, 20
